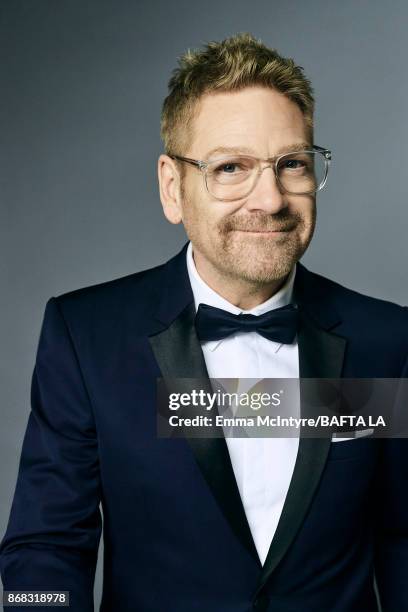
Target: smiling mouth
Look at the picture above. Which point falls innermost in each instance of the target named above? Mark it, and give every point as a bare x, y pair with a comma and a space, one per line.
264, 231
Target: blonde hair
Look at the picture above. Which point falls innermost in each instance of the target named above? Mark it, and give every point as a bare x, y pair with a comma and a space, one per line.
234, 63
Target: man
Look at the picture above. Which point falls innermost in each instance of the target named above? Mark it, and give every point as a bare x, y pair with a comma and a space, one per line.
223, 524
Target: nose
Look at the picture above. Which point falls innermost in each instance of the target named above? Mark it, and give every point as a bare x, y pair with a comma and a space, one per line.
266, 194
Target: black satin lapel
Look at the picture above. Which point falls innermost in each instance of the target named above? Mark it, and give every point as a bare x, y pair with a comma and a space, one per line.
321, 355
179, 355
177, 349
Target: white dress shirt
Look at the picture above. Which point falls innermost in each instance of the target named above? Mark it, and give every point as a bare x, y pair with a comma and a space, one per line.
263, 467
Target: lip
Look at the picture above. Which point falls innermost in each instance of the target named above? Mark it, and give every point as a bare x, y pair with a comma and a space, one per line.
263, 231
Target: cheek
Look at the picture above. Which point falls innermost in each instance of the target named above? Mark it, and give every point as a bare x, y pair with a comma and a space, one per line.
197, 219
305, 211
191, 204
311, 216
205, 217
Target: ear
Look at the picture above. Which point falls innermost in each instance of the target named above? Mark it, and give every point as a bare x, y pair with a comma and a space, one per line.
169, 187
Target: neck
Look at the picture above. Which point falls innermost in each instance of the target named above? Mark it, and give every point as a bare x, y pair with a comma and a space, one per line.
243, 293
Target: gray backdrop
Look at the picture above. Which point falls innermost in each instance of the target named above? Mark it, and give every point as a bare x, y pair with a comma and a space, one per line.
82, 82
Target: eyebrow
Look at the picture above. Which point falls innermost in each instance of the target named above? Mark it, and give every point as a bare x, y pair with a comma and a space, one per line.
299, 146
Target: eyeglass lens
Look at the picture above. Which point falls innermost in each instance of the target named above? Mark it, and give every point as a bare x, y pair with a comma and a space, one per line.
233, 177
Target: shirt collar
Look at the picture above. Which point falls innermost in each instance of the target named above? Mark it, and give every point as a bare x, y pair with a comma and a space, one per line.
203, 293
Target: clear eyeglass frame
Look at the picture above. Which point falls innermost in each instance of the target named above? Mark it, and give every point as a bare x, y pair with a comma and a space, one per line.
271, 162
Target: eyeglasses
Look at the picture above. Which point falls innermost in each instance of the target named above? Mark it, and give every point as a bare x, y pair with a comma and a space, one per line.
232, 177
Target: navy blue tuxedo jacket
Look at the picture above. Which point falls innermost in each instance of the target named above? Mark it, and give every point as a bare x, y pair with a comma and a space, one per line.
176, 538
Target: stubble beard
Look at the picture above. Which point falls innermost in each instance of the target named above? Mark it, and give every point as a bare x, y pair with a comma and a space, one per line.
253, 259
258, 259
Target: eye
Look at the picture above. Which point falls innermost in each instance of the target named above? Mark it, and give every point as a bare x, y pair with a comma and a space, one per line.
228, 168
231, 168
292, 164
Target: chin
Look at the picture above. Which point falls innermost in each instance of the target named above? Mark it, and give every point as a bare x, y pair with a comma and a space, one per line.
270, 259
258, 271
265, 276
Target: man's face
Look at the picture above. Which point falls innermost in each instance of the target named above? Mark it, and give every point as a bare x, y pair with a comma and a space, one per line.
260, 237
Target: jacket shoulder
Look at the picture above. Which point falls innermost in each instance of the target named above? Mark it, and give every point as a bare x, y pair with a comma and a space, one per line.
131, 295
354, 302
376, 324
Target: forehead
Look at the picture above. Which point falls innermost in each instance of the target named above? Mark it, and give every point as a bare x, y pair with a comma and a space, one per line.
256, 118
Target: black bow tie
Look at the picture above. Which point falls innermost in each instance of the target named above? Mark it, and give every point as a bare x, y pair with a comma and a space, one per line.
279, 325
